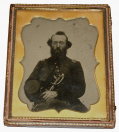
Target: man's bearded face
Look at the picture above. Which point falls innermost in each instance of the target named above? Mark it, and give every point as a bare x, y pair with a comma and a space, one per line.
58, 46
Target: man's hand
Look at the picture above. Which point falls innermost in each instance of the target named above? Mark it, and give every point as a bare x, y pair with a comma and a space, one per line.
49, 95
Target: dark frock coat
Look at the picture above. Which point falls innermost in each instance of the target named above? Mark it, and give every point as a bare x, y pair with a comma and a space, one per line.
69, 90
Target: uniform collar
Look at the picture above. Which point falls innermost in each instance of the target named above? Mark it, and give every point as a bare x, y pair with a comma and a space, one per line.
51, 61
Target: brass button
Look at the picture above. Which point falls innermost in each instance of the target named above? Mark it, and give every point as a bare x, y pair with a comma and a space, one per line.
57, 70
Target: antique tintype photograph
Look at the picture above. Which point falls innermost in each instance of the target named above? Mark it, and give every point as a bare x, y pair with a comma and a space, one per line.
59, 65
59, 70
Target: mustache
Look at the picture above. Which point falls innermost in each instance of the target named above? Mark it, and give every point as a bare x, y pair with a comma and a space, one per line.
56, 51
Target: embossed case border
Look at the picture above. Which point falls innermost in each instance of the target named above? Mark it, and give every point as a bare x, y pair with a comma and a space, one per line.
22, 121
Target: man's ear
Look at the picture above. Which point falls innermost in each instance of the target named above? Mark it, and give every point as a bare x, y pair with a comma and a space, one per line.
69, 44
49, 42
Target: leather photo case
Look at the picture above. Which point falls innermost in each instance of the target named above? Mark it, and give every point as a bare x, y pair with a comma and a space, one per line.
60, 66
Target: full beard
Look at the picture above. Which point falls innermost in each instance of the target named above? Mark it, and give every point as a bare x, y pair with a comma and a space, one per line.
58, 55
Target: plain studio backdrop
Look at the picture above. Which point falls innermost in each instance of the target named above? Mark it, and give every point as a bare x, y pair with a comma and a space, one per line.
4, 17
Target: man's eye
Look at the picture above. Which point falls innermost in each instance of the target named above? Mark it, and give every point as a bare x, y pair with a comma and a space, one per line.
61, 42
55, 43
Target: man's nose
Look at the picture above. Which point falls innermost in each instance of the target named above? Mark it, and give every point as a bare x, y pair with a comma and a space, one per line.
58, 44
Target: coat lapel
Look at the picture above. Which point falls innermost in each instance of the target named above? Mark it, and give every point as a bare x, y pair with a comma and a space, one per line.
48, 67
66, 66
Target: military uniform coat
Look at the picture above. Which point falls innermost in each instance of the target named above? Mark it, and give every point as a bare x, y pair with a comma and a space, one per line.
69, 90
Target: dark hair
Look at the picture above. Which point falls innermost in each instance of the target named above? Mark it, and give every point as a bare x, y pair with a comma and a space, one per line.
69, 44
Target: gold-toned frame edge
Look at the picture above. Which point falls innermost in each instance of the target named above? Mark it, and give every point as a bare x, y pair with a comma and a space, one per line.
8, 66
27, 122
52, 118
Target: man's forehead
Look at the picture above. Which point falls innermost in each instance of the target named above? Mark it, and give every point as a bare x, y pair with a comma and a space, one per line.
58, 37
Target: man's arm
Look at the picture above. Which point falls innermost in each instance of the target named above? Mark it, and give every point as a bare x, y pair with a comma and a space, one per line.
34, 89
32, 84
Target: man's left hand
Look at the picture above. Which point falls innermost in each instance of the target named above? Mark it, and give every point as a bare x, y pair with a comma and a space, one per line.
49, 95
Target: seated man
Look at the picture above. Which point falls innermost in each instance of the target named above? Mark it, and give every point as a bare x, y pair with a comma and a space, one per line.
56, 82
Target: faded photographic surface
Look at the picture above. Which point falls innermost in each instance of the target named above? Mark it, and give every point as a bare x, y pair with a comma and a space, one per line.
64, 82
